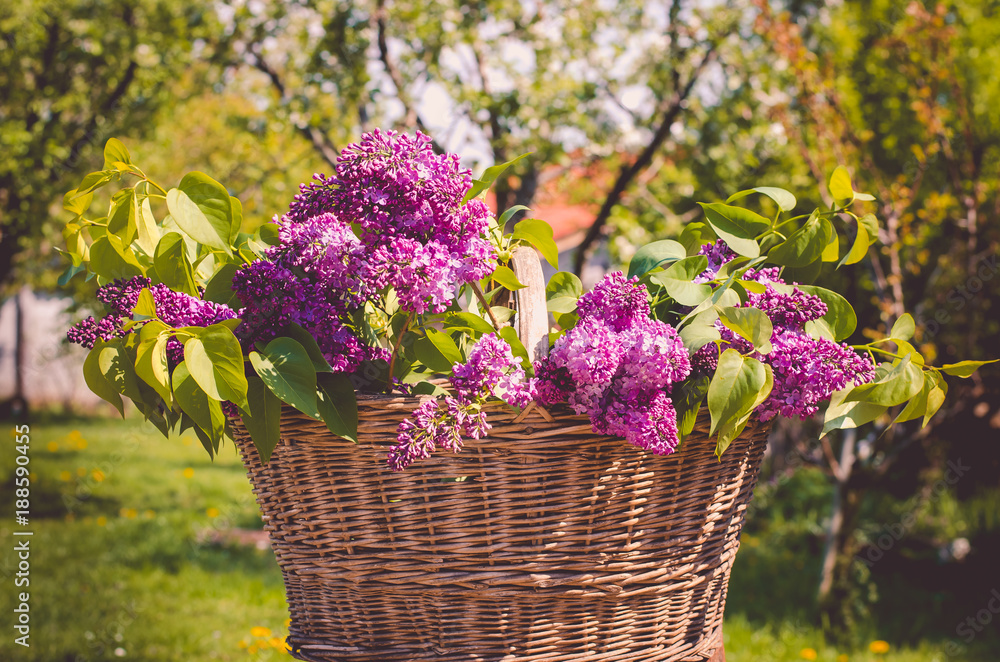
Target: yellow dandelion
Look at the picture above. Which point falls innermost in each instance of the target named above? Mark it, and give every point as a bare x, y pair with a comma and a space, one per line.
243, 643
276, 642
75, 435
52, 446
81, 471
842, 657
149, 514
98, 475
253, 649
130, 513
102, 521
214, 512
879, 647
808, 654
82, 444
288, 623
260, 631
65, 476
189, 473
186, 441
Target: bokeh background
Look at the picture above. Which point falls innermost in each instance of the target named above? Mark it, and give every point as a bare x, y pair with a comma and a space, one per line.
877, 545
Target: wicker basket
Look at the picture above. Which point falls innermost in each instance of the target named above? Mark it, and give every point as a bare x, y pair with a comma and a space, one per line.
541, 542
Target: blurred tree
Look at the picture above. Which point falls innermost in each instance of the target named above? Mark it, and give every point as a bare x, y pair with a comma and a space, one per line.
571, 82
904, 93
73, 74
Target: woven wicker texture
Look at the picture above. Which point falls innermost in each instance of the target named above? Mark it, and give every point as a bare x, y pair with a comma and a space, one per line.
541, 542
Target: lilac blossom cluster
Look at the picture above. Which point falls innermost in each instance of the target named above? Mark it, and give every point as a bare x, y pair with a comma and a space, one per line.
317, 276
491, 369
173, 308
617, 365
806, 370
392, 216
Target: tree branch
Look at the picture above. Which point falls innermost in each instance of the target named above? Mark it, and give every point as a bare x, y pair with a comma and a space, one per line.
630, 172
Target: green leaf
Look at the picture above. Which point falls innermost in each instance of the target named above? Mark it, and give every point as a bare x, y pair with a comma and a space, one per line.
286, 369
236, 213
502, 313
687, 401
694, 235
517, 348
304, 338
77, 205
148, 231
109, 260
205, 411
505, 276
676, 280
262, 417
121, 217
832, 251
654, 254
145, 305
936, 397
750, 323
481, 185
468, 321
115, 152
700, 330
509, 214
784, 199
97, 382
219, 287
893, 387
840, 316
964, 368
860, 247
917, 406
151, 357
870, 224
444, 345
427, 352
538, 233
805, 245
562, 292
840, 187
904, 328
91, 183
215, 360
843, 415
338, 405
734, 388
738, 227
202, 209
738, 386
172, 266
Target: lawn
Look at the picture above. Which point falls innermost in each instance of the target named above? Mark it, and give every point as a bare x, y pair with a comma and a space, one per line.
143, 549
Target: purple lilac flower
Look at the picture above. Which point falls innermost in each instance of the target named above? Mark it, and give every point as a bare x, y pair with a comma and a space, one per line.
617, 366
403, 196
788, 311
647, 420
491, 369
617, 302
718, 254
807, 371
174, 308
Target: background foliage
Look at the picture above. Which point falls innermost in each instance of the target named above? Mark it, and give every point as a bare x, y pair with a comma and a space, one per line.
670, 103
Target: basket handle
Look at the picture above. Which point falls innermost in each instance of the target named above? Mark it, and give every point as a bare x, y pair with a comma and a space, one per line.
532, 313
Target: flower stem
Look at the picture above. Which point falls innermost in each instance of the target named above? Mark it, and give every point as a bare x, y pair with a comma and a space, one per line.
486, 306
395, 348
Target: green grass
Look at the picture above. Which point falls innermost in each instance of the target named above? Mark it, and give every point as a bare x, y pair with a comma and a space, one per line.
123, 563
